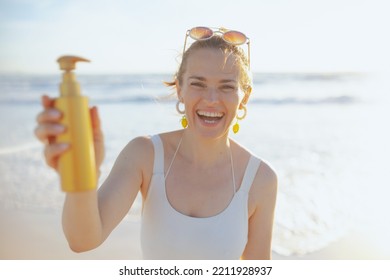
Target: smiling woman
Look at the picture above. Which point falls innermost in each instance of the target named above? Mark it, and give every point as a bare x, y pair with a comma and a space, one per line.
188, 211
210, 83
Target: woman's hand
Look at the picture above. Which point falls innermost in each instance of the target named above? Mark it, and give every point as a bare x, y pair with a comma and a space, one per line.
49, 127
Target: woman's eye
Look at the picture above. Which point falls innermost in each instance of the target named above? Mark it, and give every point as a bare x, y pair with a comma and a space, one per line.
228, 88
198, 85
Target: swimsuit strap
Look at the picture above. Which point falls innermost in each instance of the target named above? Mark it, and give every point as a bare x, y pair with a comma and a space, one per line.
174, 156
232, 166
250, 173
158, 166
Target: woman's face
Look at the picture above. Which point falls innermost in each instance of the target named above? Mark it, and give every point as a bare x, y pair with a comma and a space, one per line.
210, 91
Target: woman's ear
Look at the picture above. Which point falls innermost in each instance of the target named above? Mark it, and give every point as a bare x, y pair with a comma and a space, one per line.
178, 89
247, 93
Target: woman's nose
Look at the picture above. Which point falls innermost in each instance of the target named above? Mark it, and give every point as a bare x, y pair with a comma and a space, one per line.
212, 95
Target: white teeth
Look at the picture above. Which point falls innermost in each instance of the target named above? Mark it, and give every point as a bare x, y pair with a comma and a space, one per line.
210, 114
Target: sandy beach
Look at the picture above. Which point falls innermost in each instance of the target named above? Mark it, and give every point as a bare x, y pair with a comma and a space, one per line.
38, 236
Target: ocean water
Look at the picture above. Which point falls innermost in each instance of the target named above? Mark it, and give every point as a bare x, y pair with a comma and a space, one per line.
326, 135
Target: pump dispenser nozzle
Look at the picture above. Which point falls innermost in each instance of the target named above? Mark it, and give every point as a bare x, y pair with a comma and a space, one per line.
69, 85
68, 62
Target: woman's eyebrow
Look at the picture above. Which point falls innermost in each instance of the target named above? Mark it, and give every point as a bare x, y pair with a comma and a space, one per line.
228, 81
200, 78
197, 78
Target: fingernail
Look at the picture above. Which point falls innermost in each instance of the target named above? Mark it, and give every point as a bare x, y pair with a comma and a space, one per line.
59, 128
63, 146
54, 113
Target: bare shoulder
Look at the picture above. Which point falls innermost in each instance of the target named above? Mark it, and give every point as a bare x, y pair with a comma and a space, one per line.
139, 149
266, 176
137, 157
136, 161
265, 184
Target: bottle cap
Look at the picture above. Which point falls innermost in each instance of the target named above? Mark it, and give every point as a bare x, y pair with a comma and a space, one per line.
68, 62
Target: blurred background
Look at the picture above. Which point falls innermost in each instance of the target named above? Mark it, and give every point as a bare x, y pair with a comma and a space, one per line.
318, 113
146, 36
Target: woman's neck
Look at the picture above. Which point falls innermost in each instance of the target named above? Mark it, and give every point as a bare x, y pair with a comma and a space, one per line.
204, 152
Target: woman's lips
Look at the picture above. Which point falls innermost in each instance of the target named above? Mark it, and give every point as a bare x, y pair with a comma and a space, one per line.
210, 117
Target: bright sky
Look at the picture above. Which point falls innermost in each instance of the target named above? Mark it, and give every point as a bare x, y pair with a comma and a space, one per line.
129, 36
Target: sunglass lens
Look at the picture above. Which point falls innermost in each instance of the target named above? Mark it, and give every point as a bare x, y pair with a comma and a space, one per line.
234, 37
200, 33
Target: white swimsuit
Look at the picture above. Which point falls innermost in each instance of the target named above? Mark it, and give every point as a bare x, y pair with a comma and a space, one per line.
169, 234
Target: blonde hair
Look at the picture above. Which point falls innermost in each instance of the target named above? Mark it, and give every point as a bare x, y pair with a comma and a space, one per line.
216, 42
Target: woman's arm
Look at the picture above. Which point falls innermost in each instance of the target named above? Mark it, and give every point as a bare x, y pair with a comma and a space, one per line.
263, 194
89, 218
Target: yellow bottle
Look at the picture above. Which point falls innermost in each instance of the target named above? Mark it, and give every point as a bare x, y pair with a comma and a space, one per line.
77, 165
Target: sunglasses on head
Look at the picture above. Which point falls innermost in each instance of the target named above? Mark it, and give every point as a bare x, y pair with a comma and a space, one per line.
232, 37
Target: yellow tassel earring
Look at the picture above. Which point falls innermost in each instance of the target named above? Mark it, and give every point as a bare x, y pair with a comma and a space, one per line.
183, 120
236, 126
